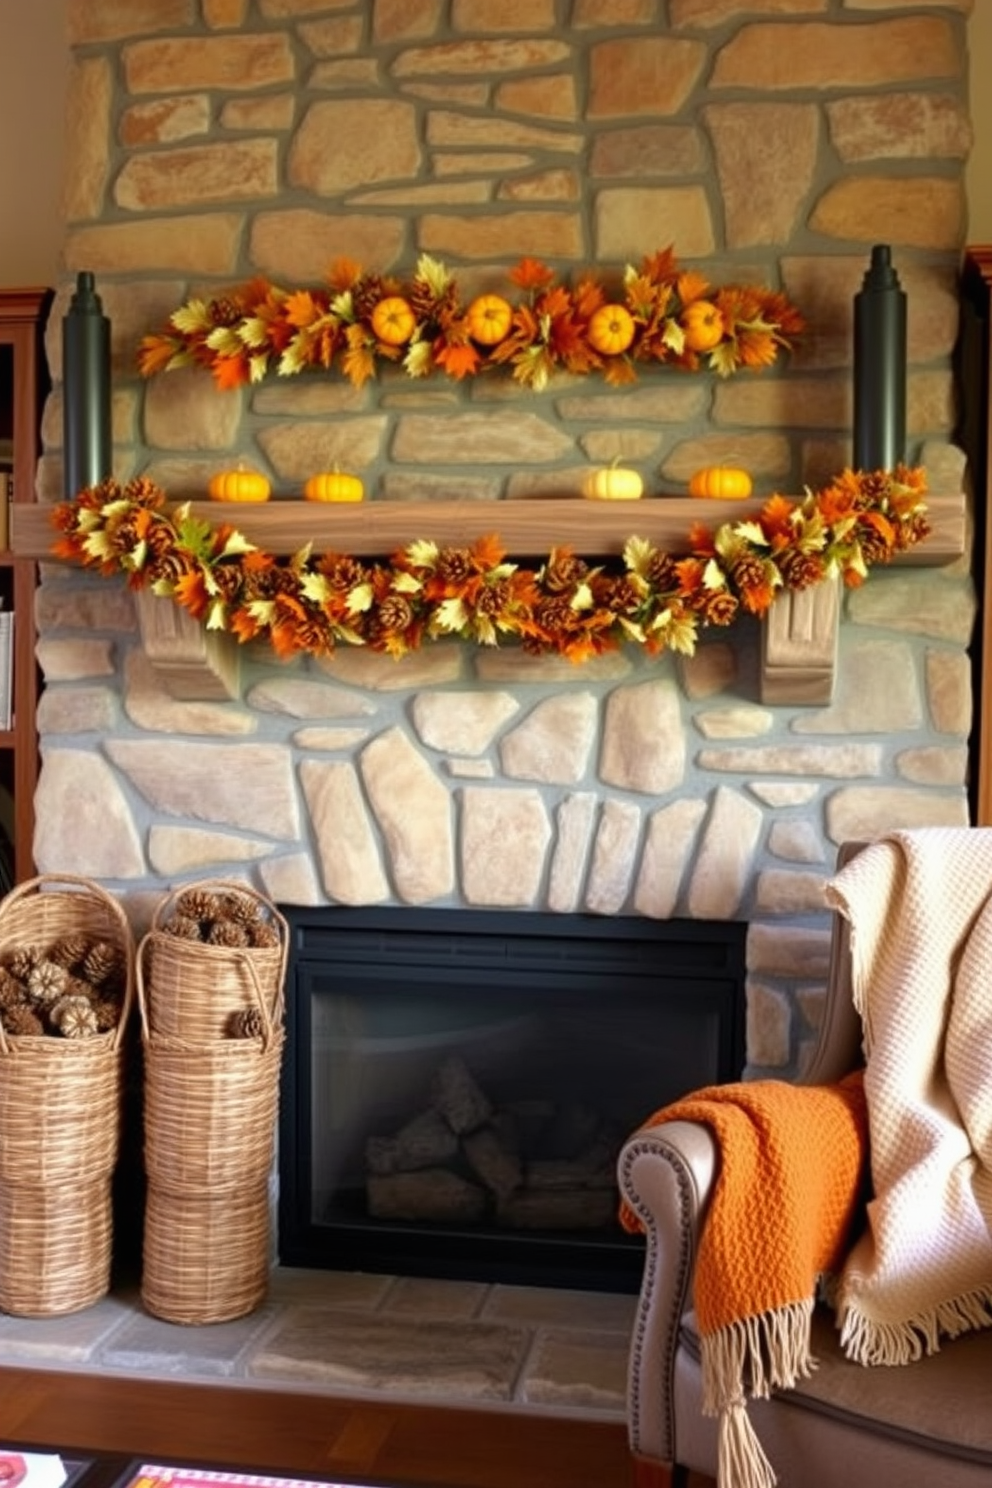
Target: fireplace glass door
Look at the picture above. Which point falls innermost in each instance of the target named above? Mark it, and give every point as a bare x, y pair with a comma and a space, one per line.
458, 1084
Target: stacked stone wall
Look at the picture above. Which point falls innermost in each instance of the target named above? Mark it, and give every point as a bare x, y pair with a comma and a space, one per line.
769, 142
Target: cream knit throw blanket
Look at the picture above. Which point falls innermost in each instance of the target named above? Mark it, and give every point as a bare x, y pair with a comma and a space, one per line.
919, 904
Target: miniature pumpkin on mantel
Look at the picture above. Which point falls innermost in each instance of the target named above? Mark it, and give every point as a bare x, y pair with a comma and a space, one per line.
333, 485
725, 482
613, 483
239, 485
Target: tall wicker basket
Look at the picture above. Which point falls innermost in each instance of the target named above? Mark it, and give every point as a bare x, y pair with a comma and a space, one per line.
60, 1111
212, 1034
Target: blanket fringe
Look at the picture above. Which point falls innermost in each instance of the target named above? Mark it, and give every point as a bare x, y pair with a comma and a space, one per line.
757, 1354
865, 1340
741, 1462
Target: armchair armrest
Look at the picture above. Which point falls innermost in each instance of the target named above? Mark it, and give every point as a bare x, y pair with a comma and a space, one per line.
665, 1175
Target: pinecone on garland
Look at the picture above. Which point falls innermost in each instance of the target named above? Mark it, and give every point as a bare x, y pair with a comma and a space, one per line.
22, 1021
366, 294
184, 927
46, 982
246, 1023
74, 1017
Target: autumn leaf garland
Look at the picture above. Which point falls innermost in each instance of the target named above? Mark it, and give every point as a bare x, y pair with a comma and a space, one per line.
258, 327
569, 606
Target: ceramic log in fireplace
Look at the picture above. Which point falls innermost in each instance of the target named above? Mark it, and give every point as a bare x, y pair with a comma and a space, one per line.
458, 1083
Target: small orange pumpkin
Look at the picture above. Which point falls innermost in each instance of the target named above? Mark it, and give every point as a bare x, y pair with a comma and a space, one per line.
333, 485
611, 329
393, 320
613, 483
703, 325
489, 318
239, 485
726, 482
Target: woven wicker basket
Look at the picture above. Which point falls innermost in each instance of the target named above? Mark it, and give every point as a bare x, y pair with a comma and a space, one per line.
211, 1105
60, 1117
193, 990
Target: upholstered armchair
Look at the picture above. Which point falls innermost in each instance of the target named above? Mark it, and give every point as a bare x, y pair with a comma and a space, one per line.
925, 1423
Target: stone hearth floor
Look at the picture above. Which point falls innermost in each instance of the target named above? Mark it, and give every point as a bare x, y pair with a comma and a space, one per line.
535, 1349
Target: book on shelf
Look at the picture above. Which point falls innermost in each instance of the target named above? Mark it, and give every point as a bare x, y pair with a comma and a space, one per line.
6, 497
6, 668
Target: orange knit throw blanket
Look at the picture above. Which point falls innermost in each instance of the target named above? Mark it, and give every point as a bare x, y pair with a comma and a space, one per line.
793, 1160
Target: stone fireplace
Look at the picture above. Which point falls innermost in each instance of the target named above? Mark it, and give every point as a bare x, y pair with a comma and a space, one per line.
212, 142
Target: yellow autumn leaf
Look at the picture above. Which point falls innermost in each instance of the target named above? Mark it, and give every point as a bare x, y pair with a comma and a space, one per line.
192, 317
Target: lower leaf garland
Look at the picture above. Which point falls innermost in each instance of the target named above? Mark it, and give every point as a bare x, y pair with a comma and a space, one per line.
568, 606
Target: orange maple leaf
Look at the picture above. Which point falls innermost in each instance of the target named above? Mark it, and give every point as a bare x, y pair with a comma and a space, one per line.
487, 552
358, 364
555, 302
660, 267
531, 273
587, 297
301, 309
155, 353
691, 286
776, 514
618, 371
191, 593
457, 361
343, 273
230, 372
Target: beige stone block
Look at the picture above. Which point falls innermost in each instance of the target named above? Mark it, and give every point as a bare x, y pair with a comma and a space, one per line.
83, 820
175, 850
413, 812
503, 15
797, 841
841, 761
779, 793
668, 844
604, 446
813, 54
185, 696
461, 722
165, 120
472, 95
470, 769
510, 664
587, 13
629, 219
187, 411
787, 891
273, 111
554, 742
787, 951
281, 10
89, 91
224, 15
862, 704
405, 20
949, 691
923, 126
743, 721
785, 402
334, 37
545, 97
766, 155
489, 163
206, 781
434, 194
72, 660
309, 397
715, 12
711, 669
298, 450
444, 661
290, 879
400, 485
643, 741
936, 764
669, 400
614, 856
76, 710
719, 876
302, 697
858, 813
550, 185
489, 58
574, 820
642, 75
194, 244
317, 738
768, 1022
648, 149
478, 439
237, 171
347, 849
299, 245
350, 74
354, 142
179, 64
446, 129
924, 212
505, 835
85, 604
916, 604
115, 20
930, 403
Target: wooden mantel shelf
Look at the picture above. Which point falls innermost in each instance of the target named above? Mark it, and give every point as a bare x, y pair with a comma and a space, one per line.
799, 637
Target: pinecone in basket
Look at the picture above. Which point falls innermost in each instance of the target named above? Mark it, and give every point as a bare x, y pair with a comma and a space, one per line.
11, 990
69, 951
74, 1017
46, 982
246, 1023
265, 936
198, 904
103, 964
21, 1020
184, 927
228, 933
20, 962
108, 1013
241, 909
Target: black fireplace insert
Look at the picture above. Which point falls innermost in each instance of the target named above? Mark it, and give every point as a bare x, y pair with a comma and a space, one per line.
457, 1083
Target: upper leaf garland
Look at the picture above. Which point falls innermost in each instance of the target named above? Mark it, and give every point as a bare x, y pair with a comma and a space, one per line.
661, 314
426, 592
